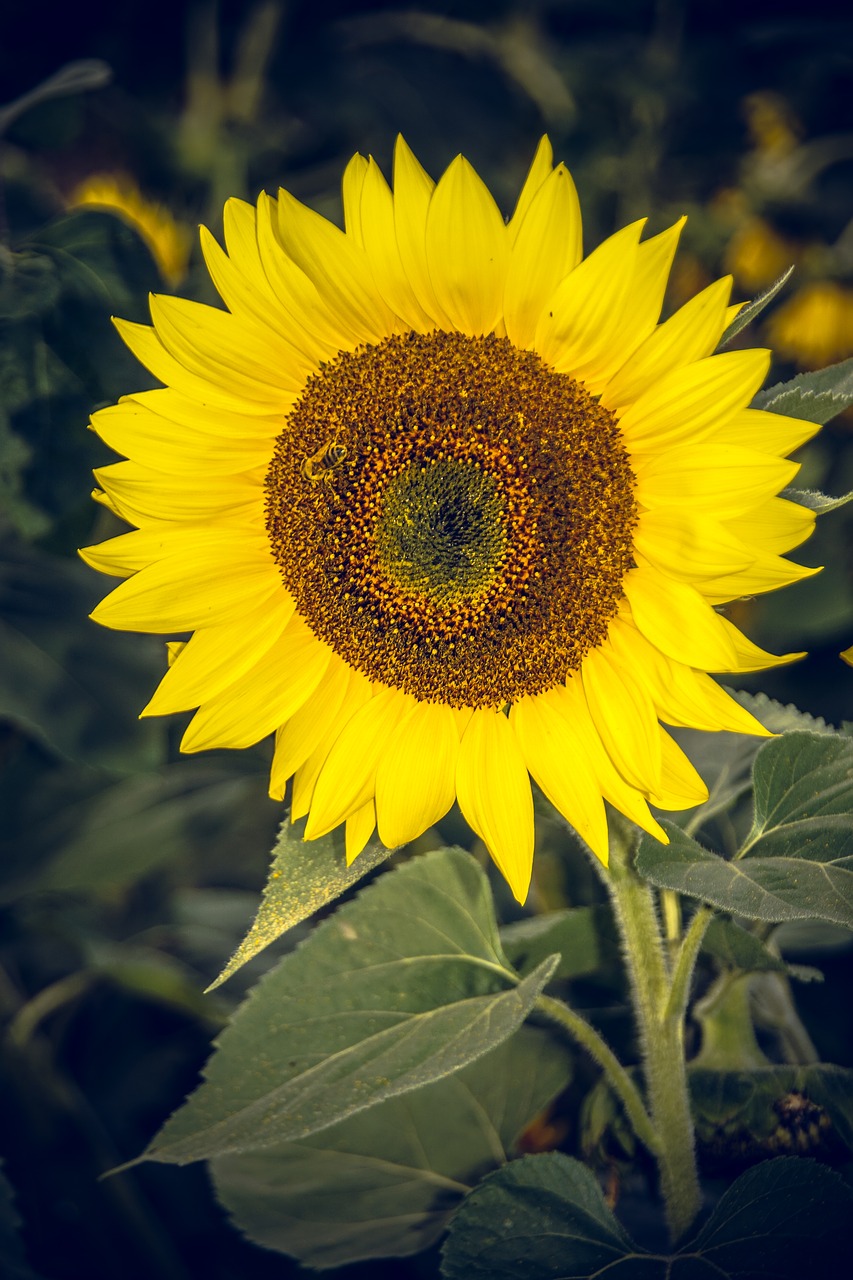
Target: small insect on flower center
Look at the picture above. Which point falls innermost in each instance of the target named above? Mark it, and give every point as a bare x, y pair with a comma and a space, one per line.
453, 517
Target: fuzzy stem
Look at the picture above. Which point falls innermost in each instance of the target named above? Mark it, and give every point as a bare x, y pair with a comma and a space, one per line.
597, 1048
660, 1024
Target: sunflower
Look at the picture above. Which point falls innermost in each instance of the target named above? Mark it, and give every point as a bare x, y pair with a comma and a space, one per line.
447, 508
167, 240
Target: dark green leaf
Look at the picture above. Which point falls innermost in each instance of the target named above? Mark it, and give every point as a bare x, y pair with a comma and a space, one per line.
774, 1110
543, 1216
754, 309
13, 1263
817, 397
804, 800
736, 948
29, 286
576, 934
74, 687
778, 1221
403, 986
143, 822
771, 889
99, 257
386, 1181
303, 878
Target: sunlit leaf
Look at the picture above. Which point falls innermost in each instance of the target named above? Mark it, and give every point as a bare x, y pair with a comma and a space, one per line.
401, 987
817, 397
753, 309
304, 877
386, 1181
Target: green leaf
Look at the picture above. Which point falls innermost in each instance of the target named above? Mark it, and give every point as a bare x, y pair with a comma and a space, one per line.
403, 986
543, 1216
771, 889
774, 1110
28, 287
386, 1181
303, 878
804, 801
140, 823
575, 933
754, 309
816, 501
73, 686
777, 1221
736, 948
817, 397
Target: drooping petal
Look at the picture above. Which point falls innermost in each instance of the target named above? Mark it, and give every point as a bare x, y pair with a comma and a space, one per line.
556, 756
494, 794
416, 778
348, 777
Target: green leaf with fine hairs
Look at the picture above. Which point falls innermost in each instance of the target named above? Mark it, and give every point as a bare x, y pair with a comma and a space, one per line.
403, 986
543, 1216
304, 877
816, 501
736, 948
754, 309
778, 1220
796, 860
772, 1111
817, 397
803, 800
579, 934
386, 1181
772, 889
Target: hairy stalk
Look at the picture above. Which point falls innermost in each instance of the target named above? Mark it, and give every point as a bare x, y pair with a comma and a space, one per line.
660, 1025
598, 1049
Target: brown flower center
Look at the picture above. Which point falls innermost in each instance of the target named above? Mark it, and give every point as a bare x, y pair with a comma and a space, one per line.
452, 516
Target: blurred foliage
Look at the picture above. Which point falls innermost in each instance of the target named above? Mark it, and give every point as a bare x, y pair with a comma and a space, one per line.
740, 116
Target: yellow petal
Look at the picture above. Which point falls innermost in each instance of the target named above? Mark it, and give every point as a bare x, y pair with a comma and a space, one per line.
359, 829
540, 168
217, 657
586, 308
336, 265
624, 716
570, 702
689, 546
318, 720
680, 787
777, 525
688, 404
767, 573
130, 552
416, 778
641, 310
547, 247
164, 445
723, 480
689, 335
749, 657
143, 496
184, 591
348, 777
413, 190
226, 350
383, 252
557, 758
267, 695
351, 189
466, 247
768, 432
494, 794
673, 616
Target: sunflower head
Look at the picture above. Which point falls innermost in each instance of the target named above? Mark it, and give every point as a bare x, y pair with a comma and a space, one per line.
448, 508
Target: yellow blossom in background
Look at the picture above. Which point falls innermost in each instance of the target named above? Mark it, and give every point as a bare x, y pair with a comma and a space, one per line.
448, 508
757, 255
814, 327
168, 240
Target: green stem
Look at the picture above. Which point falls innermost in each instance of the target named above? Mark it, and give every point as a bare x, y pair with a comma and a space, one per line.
620, 1082
685, 962
660, 1024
